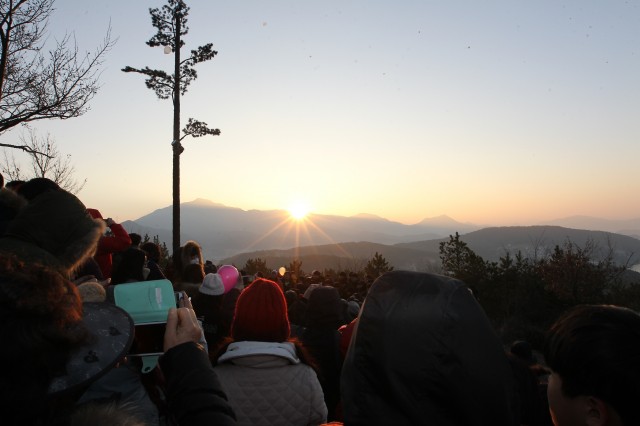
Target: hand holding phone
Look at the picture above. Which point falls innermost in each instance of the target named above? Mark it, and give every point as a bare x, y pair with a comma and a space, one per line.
182, 327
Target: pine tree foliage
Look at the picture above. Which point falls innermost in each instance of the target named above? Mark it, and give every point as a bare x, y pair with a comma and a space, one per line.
170, 22
377, 266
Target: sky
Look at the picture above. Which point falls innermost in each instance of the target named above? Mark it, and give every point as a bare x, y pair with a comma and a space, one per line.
490, 112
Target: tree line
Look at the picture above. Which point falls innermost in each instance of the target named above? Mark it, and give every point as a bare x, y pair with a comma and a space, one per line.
522, 296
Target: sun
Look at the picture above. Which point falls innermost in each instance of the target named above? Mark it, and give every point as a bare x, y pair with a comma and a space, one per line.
298, 210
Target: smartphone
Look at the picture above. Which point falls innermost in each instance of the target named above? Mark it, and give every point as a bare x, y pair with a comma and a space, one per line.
179, 296
148, 339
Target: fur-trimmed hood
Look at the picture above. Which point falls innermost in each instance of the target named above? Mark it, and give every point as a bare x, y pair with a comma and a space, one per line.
54, 229
190, 252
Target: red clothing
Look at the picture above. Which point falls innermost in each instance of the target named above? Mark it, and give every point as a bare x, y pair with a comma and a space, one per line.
345, 336
107, 245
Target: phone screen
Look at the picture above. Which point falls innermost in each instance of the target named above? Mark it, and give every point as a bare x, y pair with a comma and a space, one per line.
148, 339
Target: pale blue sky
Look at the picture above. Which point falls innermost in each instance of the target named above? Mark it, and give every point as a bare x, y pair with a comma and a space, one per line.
492, 112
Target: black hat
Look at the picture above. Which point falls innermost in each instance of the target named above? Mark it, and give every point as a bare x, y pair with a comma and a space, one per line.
111, 332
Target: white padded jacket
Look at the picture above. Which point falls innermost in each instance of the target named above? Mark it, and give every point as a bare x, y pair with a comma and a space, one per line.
267, 385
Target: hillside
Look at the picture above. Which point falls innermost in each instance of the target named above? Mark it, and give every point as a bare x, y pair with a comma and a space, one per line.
626, 227
346, 256
532, 241
490, 243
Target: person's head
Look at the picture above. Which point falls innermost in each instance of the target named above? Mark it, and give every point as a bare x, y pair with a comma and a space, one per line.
316, 277
594, 354
36, 186
40, 313
210, 267
191, 253
324, 309
130, 267
261, 314
135, 239
152, 249
53, 229
212, 285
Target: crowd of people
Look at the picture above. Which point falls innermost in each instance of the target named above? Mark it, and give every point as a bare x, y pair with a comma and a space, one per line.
404, 348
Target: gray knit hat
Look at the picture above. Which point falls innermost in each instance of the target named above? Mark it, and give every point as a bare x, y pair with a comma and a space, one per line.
212, 285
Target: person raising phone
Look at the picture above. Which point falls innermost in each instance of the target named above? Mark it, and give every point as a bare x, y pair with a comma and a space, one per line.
194, 393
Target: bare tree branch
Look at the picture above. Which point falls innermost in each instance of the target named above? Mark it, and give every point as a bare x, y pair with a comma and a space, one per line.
24, 148
36, 84
45, 161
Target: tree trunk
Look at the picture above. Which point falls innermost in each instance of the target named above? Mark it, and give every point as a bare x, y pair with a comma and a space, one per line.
177, 147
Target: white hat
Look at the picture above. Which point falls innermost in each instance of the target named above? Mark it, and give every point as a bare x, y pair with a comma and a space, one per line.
212, 285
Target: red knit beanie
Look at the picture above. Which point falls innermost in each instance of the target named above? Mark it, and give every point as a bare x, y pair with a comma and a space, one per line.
261, 314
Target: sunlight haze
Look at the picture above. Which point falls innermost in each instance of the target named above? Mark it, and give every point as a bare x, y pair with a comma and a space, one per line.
496, 113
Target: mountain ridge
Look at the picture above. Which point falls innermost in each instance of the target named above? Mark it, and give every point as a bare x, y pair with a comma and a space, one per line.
225, 231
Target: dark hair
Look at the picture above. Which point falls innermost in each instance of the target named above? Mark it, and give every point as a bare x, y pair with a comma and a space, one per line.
595, 349
193, 273
152, 250
40, 325
135, 239
210, 268
130, 266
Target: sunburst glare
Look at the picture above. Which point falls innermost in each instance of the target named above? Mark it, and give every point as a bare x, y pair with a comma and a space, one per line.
298, 210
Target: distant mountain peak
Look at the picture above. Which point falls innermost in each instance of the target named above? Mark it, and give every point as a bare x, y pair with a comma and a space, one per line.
203, 202
438, 220
368, 216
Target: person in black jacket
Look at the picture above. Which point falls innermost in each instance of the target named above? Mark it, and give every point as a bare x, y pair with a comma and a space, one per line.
424, 353
194, 394
322, 339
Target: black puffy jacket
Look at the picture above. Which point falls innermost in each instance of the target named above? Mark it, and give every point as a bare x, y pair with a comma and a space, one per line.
424, 353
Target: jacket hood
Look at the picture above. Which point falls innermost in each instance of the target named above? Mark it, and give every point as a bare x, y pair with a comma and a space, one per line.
54, 228
324, 308
238, 350
423, 352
